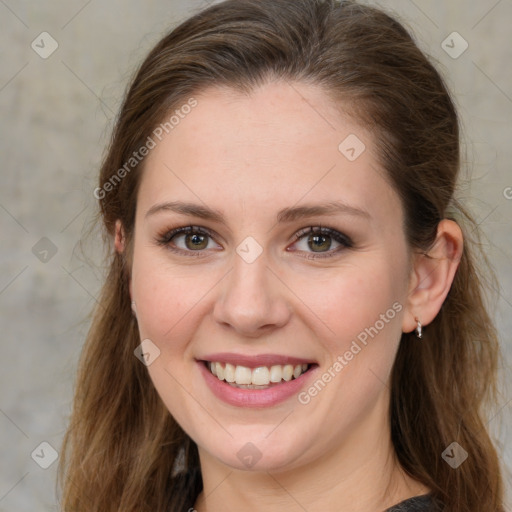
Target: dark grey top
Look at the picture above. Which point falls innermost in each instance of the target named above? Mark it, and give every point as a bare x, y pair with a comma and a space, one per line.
423, 503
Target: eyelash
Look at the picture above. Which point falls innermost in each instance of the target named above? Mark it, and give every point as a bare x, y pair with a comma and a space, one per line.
165, 238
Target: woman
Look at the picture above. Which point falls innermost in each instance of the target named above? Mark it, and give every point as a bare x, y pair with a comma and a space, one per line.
293, 318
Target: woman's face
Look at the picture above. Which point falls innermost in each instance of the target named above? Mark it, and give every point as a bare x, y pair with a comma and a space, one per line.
295, 259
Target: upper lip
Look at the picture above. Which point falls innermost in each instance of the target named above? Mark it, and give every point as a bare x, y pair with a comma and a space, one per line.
254, 361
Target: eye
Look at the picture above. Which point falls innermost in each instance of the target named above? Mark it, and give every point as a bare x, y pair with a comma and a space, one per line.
325, 242
317, 242
187, 239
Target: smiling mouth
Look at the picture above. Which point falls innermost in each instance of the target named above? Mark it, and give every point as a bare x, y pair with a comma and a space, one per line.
261, 377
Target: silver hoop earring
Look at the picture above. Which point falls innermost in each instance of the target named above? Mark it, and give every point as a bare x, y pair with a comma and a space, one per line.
418, 331
134, 311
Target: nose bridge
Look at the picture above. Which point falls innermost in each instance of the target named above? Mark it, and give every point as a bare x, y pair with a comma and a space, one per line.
252, 299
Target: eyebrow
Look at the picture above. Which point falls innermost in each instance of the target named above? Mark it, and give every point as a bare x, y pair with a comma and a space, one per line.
285, 215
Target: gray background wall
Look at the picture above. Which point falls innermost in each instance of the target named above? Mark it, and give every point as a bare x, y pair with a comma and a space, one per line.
56, 114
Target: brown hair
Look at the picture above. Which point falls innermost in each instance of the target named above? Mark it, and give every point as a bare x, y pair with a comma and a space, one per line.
123, 451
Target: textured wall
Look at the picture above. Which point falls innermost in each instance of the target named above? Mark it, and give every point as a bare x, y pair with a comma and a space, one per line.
57, 111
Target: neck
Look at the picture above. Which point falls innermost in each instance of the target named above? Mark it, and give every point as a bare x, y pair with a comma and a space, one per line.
360, 475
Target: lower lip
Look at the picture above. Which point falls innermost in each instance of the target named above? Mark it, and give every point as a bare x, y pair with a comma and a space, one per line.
254, 397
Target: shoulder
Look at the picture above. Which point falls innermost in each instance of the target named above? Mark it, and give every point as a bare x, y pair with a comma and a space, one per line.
423, 503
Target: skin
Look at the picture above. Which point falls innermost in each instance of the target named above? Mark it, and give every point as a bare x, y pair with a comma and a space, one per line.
250, 156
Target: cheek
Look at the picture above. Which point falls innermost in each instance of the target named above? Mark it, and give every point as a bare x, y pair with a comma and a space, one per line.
168, 302
350, 300
166, 294
362, 306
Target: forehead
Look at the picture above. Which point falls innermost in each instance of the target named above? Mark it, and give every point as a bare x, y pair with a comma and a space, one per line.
274, 147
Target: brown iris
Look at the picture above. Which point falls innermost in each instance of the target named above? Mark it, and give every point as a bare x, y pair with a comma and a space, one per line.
195, 241
319, 242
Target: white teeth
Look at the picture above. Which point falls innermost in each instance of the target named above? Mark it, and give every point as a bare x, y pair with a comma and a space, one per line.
243, 376
276, 373
229, 373
219, 371
287, 372
261, 376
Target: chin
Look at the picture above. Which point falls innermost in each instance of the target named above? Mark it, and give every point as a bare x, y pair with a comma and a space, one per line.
281, 453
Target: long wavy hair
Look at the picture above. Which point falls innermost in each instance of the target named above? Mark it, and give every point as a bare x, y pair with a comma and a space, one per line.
123, 451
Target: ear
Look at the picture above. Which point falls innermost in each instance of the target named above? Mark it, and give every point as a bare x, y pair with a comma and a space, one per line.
120, 246
432, 276
119, 237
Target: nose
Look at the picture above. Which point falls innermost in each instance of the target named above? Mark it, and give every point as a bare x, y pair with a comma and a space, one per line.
252, 300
